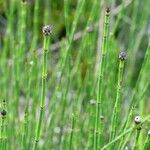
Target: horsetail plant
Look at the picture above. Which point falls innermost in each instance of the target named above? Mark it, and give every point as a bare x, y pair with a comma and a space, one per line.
47, 31
98, 124
137, 121
139, 84
116, 111
127, 131
137, 126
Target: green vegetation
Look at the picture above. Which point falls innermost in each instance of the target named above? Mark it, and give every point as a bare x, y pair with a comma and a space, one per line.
74, 75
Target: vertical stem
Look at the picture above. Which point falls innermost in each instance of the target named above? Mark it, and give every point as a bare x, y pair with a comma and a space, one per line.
72, 130
3, 126
125, 141
66, 15
91, 128
116, 111
26, 112
20, 51
35, 25
135, 147
147, 141
134, 102
46, 32
98, 124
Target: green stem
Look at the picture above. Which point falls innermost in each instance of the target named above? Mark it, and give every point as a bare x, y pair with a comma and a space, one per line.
135, 147
44, 76
3, 126
116, 139
116, 111
138, 90
72, 131
26, 113
35, 24
123, 134
126, 140
66, 15
91, 123
147, 141
98, 124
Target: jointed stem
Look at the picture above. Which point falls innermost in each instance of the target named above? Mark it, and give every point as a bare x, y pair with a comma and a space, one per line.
116, 111
98, 125
135, 147
147, 141
72, 130
44, 75
3, 131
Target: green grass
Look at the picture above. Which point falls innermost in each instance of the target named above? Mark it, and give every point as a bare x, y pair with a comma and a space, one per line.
74, 90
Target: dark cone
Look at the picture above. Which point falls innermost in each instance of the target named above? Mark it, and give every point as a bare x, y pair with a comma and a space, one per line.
123, 56
47, 30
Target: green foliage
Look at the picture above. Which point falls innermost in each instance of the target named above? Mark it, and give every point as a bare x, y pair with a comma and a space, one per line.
74, 92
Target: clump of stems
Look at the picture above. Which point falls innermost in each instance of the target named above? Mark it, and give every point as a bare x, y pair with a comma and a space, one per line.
47, 30
98, 125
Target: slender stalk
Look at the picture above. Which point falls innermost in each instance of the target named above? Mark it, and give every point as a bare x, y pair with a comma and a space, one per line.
64, 102
75, 114
66, 55
46, 31
72, 131
123, 134
98, 125
66, 15
137, 121
126, 140
35, 24
91, 128
116, 111
3, 127
139, 89
74, 26
116, 139
26, 111
135, 147
147, 141
20, 53
24, 135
